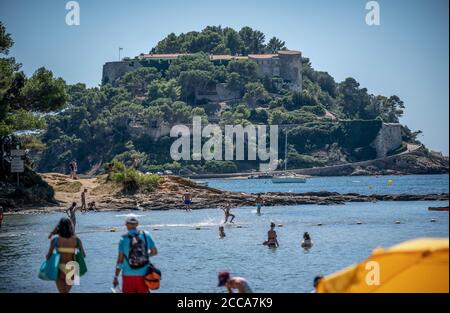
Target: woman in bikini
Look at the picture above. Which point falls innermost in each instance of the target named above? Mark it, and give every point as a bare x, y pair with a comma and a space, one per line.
67, 244
272, 241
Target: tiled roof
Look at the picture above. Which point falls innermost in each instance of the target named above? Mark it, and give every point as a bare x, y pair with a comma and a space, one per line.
170, 56
226, 57
291, 52
161, 56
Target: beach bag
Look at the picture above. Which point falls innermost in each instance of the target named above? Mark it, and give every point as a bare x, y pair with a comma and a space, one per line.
138, 255
49, 269
153, 277
79, 258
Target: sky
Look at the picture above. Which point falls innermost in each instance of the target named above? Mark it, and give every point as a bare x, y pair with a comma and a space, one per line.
406, 55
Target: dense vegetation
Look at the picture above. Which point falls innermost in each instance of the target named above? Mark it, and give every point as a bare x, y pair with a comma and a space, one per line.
106, 123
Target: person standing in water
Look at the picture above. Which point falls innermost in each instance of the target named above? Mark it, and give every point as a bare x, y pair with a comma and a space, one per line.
231, 283
227, 212
187, 198
135, 249
71, 214
259, 203
221, 232
66, 243
272, 240
83, 201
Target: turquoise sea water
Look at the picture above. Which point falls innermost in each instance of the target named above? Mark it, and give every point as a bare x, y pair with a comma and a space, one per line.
190, 258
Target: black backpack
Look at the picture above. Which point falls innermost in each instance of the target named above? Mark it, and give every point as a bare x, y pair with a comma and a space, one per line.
138, 255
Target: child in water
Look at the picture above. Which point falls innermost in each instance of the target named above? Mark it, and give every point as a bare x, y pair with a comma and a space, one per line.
221, 232
231, 283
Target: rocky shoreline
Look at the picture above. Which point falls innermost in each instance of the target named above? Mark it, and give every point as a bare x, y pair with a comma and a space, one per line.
168, 196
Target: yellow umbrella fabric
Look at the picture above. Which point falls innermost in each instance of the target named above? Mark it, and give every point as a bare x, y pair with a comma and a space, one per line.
419, 265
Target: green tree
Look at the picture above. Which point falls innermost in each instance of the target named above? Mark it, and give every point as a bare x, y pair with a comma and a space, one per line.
274, 45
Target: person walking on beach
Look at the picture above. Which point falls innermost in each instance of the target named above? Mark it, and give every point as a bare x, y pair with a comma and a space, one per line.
272, 241
231, 283
259, 203
66, 243
227, 212
1, 216
135, 249
83, 201
71, 214
187, 198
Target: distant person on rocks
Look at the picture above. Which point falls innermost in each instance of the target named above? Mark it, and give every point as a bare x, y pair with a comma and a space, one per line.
83, 201
187, 198
1, 216
272, 240
91, 206
135, 249
67, 243
136, 163
232, 283
227, 211
73, 169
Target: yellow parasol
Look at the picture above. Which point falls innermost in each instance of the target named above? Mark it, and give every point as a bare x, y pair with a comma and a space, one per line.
419, 265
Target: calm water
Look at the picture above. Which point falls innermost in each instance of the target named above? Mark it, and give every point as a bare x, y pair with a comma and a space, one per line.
190, 258
413, 184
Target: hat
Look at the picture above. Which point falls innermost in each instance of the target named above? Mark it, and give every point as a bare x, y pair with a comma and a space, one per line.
223, 278
132, 220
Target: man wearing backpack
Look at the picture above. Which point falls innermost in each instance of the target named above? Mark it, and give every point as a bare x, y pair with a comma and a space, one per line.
135, 249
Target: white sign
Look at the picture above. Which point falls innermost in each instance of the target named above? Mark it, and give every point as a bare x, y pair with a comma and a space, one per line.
17, 153
17, 165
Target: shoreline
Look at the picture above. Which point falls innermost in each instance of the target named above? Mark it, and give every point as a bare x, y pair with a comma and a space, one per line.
270, 199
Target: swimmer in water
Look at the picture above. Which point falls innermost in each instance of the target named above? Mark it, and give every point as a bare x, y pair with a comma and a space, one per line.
221, 232
272, 241
259, 203
231, 283
226, 211
307, 242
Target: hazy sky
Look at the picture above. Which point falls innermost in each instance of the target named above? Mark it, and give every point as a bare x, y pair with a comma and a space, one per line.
406, 55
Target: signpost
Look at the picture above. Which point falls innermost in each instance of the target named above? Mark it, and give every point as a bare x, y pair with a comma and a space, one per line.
17, 164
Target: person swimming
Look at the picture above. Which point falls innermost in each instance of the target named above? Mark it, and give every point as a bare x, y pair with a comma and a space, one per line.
231, 283
307, 242
226, 211
221, 232
272, 241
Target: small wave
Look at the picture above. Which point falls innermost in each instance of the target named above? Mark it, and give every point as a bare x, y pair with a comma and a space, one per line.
129, 215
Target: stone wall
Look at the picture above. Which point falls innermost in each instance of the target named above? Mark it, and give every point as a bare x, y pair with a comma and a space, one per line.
389, 138
112, 71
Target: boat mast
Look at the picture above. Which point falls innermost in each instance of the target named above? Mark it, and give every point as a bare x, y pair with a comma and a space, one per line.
285, 151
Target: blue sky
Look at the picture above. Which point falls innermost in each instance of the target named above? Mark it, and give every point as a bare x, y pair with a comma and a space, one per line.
406, 55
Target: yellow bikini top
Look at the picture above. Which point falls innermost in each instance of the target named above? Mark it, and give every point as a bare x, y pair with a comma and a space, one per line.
67, 250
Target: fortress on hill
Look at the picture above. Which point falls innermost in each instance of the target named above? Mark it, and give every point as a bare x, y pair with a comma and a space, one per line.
286, 64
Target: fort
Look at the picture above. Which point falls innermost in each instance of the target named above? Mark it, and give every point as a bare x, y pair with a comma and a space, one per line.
286, 64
